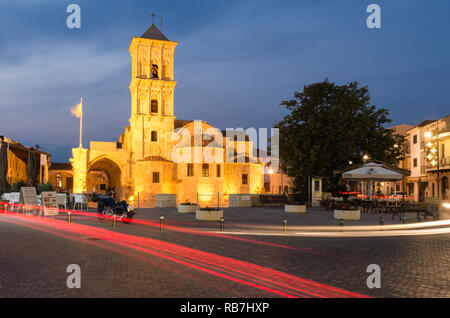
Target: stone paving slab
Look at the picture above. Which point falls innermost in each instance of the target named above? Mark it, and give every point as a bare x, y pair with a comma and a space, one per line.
412, 266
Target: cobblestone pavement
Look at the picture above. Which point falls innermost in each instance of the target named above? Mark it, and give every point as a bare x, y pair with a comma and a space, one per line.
33, 262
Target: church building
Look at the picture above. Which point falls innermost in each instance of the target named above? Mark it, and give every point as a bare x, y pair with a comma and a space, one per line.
159, 155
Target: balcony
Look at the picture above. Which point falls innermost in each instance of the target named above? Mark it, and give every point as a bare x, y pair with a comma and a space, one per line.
444, 164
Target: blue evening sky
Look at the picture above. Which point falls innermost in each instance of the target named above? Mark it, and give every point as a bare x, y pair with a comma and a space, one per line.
235, 61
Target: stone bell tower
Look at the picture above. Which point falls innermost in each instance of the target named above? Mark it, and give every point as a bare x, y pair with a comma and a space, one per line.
152, 91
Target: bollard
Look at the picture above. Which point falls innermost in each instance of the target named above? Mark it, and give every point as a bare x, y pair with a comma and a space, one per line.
69, 217
341, 224
161, 222
403, 219
284, 225
222, 225
381, 220
114, 222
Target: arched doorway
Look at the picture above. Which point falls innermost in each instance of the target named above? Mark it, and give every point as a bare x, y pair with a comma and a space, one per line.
105, 175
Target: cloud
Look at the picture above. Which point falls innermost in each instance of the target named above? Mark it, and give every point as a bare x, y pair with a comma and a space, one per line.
47, 73
38, 91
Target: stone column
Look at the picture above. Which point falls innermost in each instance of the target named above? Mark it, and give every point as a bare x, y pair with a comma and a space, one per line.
79, 165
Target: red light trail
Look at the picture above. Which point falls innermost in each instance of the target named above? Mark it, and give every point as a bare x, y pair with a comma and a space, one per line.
156, 224
260, 277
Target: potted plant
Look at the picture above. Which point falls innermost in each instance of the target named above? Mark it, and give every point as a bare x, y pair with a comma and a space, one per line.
295, 207
187, 207
347, 211
209, 214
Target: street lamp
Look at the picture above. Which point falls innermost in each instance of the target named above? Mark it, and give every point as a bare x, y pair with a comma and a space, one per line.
428, 134
365, 157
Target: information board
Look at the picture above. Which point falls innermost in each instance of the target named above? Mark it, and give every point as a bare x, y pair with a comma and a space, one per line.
49, 202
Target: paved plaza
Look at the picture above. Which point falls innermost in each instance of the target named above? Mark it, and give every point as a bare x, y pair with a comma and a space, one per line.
34, 257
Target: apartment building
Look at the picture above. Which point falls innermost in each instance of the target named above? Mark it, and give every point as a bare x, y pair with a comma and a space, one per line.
429, 160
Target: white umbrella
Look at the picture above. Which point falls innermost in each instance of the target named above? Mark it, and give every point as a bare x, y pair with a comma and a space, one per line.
372, 171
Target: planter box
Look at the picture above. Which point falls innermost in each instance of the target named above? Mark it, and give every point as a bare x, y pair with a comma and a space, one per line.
166, 200
347, 214
291, 208
208, 215
187, 208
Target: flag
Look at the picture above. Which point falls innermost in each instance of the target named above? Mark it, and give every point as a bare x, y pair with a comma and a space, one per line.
77, 110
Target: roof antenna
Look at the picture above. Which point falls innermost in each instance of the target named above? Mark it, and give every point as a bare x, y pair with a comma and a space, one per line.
161, 23
153, 17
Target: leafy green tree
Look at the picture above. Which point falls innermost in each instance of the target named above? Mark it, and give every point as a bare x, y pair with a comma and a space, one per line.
45, 187
19, 184
329, 126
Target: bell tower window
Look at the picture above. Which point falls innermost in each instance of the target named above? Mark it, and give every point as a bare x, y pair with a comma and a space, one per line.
155, 71
154, 136
154, 106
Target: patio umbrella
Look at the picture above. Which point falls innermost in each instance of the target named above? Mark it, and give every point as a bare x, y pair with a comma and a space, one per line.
4, 186
31, 168
372, 172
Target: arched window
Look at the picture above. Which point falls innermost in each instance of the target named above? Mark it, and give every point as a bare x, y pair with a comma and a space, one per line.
154, 106
59, 181
154, 136
155, 71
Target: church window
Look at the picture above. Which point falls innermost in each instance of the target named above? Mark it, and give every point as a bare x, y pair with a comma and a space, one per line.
155, 177
155, 71
154, 136
244, 178
190, 170
205, 170
154, 106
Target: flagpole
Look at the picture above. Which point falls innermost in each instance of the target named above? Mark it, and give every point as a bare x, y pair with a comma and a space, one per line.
7, 159
81, 124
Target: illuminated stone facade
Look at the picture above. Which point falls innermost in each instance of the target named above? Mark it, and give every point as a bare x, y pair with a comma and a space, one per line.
141, 162
18, 163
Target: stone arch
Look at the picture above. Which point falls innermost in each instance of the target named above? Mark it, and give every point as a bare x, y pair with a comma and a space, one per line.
112, 170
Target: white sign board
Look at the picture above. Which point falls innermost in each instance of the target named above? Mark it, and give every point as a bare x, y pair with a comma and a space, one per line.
49, 202
28, 197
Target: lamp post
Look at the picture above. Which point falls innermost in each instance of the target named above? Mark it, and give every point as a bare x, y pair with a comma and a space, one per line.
438, 159
428, 135
369, 194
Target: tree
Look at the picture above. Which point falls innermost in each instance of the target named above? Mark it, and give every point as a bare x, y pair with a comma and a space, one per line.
328, 127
